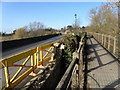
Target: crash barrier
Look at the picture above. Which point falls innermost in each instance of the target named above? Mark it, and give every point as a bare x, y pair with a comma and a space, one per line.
31, 59
73, 71
109, 42
21, 42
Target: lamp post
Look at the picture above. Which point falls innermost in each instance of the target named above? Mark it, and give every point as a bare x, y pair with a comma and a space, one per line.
76, 23
75, 20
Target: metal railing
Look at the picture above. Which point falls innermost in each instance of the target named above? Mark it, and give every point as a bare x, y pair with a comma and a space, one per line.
31, 59
109, 42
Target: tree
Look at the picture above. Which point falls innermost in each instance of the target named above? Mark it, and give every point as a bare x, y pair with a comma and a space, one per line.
20, 33
69, 27
36, 29
104, 19
14, 31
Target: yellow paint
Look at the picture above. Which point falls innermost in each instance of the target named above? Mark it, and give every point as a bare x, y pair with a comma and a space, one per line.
7, 76
16, 74
36, 58
12, 59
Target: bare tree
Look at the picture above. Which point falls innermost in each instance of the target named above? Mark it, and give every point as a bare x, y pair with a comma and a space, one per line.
104, 19
36, 29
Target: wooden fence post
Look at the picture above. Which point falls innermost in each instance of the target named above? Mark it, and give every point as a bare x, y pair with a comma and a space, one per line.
102, 39
109, 42
114, 46
97, 36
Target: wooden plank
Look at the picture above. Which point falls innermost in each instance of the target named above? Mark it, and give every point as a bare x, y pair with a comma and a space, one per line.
66, 77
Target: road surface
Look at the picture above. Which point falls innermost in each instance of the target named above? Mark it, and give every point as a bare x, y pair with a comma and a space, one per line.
29, 46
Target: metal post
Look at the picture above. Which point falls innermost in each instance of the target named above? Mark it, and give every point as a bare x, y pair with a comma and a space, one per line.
41, 56
37, 59
76, 23
32, 62
35, 63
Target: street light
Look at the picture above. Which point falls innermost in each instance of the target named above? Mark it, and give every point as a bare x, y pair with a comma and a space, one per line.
75, 20
76, 23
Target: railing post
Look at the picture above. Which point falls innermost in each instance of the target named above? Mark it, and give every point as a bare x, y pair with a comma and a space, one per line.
7, 75
102, 39
109, 42
35, 63
114, 46
99, 37
41, 56
37, 59
32, 60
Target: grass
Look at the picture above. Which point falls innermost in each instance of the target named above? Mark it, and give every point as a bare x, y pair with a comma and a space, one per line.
6, 38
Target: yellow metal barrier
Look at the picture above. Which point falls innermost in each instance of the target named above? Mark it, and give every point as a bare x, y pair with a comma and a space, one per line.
36, 58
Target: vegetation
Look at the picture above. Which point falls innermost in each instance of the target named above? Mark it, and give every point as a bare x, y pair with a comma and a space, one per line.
71, 43
20, 33
104, 19
32, 30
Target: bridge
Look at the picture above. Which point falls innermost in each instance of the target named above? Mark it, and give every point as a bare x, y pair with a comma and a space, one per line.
95, 66
103, 67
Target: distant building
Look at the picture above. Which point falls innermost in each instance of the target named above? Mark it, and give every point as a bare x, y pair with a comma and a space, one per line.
67, 31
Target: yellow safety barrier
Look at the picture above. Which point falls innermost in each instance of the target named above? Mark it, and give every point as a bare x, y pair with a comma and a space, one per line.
36, 58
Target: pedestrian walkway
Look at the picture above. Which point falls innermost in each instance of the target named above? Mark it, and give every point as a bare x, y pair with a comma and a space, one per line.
103, 68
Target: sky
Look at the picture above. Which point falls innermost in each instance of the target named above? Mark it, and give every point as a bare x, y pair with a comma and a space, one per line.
51, 14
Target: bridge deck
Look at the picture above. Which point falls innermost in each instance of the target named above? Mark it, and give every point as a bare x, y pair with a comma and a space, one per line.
102, 67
